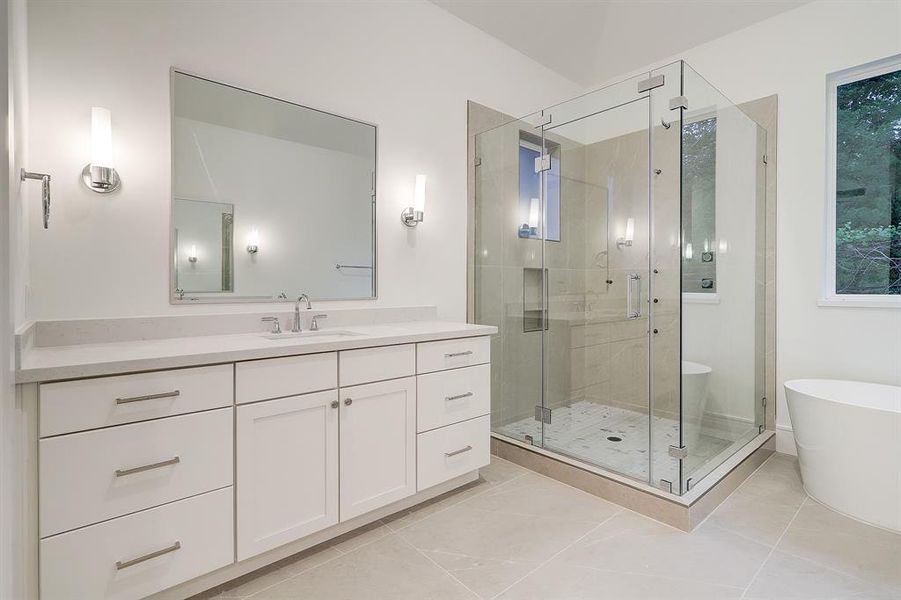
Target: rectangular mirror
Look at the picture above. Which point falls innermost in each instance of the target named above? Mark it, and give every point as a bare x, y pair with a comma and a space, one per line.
270, 199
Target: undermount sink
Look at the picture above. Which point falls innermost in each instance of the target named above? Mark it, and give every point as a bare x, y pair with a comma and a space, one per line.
287, 335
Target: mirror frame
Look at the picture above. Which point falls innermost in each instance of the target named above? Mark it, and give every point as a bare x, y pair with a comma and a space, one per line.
202, 297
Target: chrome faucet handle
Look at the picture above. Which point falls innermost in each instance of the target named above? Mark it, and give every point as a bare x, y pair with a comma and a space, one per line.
314, 322
276, 326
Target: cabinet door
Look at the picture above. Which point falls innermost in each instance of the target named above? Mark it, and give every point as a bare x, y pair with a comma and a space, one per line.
378, 445
287, 470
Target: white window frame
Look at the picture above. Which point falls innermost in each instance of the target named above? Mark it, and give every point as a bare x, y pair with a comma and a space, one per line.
833, 80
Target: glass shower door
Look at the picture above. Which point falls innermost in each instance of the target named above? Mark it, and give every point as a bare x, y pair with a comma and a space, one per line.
508, 269
596, 256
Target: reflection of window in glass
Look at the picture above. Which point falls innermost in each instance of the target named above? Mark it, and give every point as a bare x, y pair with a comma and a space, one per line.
699, 245
866, 243
530, 190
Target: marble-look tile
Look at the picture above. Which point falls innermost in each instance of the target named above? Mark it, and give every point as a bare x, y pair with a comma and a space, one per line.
278, 572
840, 543
536, 495
763, 506
630, 543
383, 570
787, 577
498, 472
487, 577
352, 540
561, 580
462, 529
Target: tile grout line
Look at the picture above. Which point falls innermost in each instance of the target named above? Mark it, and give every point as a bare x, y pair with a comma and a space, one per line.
391, 531
434, 562
772, 550
316, 566
556, 554
488, 488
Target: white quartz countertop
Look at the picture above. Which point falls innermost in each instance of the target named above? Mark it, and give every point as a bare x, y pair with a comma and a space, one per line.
90, 360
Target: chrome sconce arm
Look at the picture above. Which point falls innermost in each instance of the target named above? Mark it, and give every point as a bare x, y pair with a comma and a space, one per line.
45, 192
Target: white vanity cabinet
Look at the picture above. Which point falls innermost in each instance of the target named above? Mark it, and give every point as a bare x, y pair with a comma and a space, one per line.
166, 479
378, 445
287, 470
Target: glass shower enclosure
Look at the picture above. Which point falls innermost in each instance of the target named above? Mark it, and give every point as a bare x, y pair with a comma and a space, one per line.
619, 249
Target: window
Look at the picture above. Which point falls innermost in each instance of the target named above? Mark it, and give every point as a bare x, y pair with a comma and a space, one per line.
699, 206
864, 195
530, 190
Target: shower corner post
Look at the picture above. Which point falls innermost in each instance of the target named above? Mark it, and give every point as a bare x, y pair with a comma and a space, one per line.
665, 298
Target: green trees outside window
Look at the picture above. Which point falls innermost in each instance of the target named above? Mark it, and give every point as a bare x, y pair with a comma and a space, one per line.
868, 186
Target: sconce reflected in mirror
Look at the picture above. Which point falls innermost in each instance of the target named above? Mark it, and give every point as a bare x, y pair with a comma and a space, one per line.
689, 251
414, 215
192, 256
530, 228
629, 236
99, 175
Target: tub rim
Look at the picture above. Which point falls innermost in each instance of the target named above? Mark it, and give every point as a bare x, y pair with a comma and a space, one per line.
792, 385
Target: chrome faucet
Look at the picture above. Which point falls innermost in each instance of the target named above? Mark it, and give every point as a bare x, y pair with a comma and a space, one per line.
302, 298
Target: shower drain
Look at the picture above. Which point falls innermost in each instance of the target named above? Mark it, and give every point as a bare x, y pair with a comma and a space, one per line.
614, 438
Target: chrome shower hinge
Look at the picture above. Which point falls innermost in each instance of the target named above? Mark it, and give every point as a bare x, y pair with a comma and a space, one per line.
678, 102
543, 414
679, 452
666, 486
542, 163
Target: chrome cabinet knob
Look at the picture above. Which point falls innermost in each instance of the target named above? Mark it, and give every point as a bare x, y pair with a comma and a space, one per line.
334, 404
348, 402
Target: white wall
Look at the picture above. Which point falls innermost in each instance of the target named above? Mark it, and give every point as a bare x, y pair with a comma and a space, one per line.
407, 66
13, 57
790, 55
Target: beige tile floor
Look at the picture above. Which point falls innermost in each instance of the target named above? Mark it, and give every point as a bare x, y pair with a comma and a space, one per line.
517, 535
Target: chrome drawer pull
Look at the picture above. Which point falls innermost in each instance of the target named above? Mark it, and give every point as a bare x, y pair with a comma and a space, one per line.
123, 472
456, 354
457, 397
171, 394
130, 563
456, 452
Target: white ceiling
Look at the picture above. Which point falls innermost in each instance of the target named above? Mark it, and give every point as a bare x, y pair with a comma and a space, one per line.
592, 41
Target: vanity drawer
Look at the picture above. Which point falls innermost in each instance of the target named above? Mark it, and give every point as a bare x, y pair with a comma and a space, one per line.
451, 354
452, 451
96, 475
91, 403
377, 364
288, 376
181, 541
447, 397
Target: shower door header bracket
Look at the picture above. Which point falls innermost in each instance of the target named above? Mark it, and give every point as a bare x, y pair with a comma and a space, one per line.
542, 120
646, 85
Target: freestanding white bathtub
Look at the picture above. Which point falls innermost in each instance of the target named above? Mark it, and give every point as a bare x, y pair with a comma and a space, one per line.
848, 435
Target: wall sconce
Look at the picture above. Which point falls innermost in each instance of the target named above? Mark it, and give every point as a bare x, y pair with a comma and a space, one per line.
192, 256
530, 228
99, 175
627, 239
253, 242
414, 215
723, 246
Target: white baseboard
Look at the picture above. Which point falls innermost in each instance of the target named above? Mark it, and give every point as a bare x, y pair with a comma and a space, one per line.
785, 440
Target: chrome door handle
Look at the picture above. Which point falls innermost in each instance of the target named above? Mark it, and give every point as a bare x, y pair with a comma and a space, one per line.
165, 463
455, 354
120, 564
460, 451
457, 397
633, 309
171, 394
